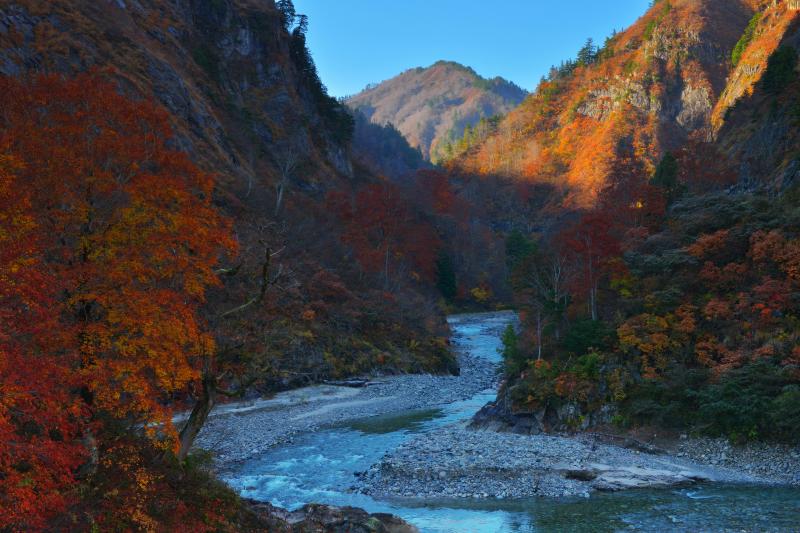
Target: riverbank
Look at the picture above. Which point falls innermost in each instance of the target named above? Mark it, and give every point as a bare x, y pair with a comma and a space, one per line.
456, 461
239, 431
266, 517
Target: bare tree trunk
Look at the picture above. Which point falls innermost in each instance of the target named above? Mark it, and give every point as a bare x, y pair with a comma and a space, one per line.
197, 418
90, 466
279, 199
539, 333
386, 269
288, 159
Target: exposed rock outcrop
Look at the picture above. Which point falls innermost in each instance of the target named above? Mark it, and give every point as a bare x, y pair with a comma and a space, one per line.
568, 417
315, 518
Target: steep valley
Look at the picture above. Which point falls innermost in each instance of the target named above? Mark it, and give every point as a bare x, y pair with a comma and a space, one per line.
232, 302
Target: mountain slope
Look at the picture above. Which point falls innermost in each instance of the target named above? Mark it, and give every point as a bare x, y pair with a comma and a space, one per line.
648, 89
245, 103
384, 150
431, 106
756, 119
666, 295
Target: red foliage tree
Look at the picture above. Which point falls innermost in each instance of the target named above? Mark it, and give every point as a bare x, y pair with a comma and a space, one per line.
594, 249
111, 240
702, 167
383, 230
628, 194
39, 418
434, 187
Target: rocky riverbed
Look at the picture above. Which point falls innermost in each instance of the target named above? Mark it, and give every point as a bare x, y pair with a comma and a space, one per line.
239, 431
457, 461
774, 463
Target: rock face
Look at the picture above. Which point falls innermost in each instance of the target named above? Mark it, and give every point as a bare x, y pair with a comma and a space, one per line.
569, 417
433, 105
758, 130
613, 478
324, 518
602, 101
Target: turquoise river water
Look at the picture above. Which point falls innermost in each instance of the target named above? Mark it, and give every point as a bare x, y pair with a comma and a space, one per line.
320, 467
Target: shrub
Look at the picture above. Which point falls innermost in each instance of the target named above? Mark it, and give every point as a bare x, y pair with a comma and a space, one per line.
745, 40
514, 358
586, 334
751, 402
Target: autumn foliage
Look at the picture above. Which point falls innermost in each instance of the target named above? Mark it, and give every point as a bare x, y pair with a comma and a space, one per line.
690, 326
39, 417
109, 242
386, 232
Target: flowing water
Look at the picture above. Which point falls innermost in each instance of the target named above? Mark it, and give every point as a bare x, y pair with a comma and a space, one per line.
320, 467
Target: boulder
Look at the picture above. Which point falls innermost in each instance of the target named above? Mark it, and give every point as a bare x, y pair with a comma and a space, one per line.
316, 518
614, 478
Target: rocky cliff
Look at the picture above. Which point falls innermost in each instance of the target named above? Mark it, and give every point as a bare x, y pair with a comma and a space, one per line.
756, 122
650, 88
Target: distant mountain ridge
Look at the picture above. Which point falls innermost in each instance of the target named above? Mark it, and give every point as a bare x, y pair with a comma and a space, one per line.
433, 106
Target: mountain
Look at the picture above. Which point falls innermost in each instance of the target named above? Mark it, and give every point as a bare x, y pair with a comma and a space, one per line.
246, 104
317, 285
651, 87
432, 106
660, 282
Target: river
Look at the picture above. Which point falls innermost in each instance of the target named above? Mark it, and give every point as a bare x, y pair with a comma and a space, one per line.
320, 467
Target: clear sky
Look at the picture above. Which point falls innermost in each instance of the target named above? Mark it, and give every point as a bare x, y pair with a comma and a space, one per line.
356, 42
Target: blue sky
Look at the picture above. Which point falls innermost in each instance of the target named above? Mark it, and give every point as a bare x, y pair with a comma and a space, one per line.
356, 42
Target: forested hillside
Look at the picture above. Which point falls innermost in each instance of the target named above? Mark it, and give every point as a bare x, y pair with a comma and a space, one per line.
652, 86
667, 296
188, 218
173, 237
432, 107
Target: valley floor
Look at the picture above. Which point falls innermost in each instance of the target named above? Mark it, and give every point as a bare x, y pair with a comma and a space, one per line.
239, 431
455, 461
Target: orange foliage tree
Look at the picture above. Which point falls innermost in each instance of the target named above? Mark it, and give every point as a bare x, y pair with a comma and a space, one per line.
123, 243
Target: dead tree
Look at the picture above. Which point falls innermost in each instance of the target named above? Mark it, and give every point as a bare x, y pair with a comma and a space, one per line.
287, 158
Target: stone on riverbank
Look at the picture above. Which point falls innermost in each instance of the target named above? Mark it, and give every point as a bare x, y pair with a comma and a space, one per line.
315, 518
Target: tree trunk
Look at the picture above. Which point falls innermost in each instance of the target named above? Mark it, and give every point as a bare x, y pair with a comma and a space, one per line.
539, 334
279, 199
386, 269
197, 418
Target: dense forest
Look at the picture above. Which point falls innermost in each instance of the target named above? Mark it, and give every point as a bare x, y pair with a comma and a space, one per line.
187, 218
668, 298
